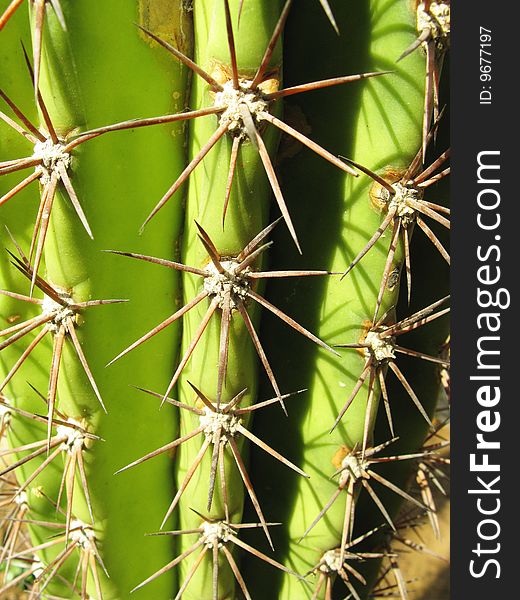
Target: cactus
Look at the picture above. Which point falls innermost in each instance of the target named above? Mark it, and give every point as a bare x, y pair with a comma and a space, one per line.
220, 200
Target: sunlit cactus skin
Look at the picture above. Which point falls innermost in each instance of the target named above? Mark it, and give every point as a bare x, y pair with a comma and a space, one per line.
193, 252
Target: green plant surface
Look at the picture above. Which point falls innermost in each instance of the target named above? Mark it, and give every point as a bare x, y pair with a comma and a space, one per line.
246, 216
378, 125
115, 176
213, 257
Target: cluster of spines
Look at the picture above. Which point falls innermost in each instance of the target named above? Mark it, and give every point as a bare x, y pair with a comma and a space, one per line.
231, 281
